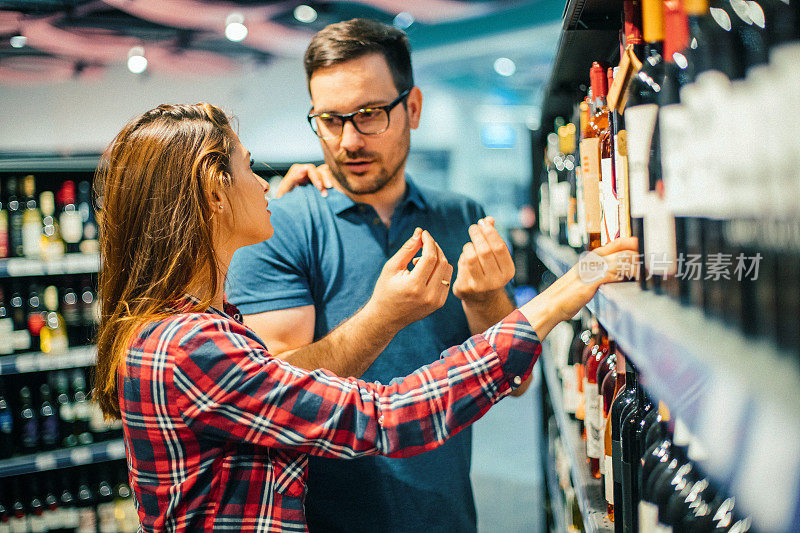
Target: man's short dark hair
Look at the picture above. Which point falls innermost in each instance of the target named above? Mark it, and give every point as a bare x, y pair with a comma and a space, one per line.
352, 39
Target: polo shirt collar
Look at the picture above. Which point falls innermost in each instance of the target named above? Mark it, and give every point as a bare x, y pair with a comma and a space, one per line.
340, 202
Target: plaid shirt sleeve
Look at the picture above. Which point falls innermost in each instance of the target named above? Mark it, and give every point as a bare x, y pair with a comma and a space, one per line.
229, 388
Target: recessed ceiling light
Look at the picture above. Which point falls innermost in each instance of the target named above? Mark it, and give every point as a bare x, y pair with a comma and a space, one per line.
306, 14
235, 30
137, 63
504, 66
18, 41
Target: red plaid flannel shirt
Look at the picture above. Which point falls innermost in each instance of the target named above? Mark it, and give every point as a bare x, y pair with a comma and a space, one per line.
218, 432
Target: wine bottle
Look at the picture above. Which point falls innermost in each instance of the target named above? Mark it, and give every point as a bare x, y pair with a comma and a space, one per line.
70, 518
82, 408
569, 376
585, 391
31, 220
610, 387
66, 409
71, 312
15, 211
85, 504
51, 245
36, 510
22, 337
70, 218
53, 335
6, 426
5, 514
90, 310
48, 419
106, 520
89, 242
624, 401
18, 520
630, 460
606, 366
36, 317
6, 326
579, 349
53, 516
28, 422
124, 509
5, 244
590, 172
594, 443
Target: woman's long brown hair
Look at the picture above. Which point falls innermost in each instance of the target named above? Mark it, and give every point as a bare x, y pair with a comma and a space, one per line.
154, 186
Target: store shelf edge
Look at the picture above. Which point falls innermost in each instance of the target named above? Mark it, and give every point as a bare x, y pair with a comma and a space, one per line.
39, 362
63, 458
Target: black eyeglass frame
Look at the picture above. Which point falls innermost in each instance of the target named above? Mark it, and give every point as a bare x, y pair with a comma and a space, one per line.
348, 117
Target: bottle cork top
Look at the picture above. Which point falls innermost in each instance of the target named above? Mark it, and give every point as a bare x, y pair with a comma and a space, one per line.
566, 138
653, 20
597, 75
676, 29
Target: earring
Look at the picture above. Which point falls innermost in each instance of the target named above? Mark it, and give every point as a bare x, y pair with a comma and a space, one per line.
220, 207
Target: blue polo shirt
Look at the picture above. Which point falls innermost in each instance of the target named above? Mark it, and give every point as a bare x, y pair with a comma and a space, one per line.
328, 252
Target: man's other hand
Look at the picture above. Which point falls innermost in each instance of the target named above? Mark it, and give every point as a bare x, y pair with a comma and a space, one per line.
485, 265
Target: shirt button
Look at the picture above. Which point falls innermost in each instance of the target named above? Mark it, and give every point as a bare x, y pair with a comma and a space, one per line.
517, 381
376, 221
380, 420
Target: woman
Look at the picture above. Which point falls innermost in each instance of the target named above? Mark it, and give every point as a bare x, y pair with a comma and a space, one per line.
218, 431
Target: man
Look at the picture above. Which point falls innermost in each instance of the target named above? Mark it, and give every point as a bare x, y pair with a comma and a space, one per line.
319, 269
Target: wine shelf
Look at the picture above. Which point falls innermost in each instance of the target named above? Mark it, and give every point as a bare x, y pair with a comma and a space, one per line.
68, 264
739, 396
589, 491
37, 361
63, 458
557, 507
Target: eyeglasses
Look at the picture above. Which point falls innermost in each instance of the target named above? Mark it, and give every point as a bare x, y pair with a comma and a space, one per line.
366, 121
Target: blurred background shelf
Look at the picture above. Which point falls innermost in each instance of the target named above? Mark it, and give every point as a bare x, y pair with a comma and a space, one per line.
69, 264
37, 361
63, 458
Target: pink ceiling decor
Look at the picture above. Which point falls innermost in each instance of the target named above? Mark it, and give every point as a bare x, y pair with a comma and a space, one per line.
263, 34
32, 70
89, 45
430, 11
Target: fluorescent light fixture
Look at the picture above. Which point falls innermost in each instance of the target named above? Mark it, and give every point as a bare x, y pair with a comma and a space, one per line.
18, 41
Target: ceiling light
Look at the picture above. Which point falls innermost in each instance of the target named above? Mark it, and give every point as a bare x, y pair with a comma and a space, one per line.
403, 20
305, 13
504, 66
137, 63
235, 30
18, 41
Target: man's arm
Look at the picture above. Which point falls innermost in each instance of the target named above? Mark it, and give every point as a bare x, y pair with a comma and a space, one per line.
400, 298
484, 269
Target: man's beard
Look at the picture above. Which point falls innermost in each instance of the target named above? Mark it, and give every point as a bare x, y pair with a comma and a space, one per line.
373, 185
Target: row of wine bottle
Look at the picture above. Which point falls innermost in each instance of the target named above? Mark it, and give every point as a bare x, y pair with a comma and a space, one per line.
649, 464
88, 499
683, 146
47, 319
48, 225
47, 410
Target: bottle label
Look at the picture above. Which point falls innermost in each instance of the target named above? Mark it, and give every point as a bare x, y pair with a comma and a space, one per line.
673, 121
581, 207
67, 412
18, 524
5, 527
570, 389
35, 323
592, 433
6, 421
608, 201
36, 523
87, 521
54, 519
71, 226
70, 517
82, 410
97, 423
22, 340
648, 516
31, 242
621, 168
609, 479
660, 249
6, 336
4, 244
107, 520
640, 122
127, 517
590, 170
